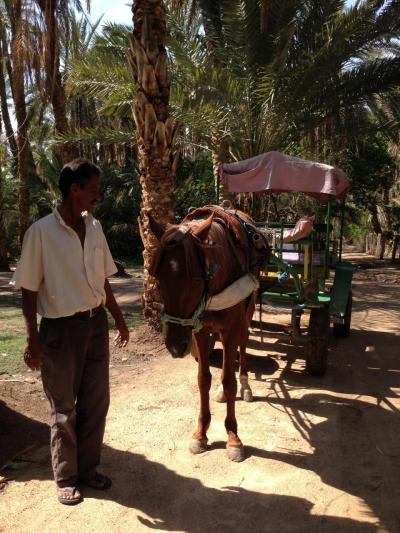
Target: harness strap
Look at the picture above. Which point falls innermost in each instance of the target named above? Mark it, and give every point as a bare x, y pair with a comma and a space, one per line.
194, 321
221, 222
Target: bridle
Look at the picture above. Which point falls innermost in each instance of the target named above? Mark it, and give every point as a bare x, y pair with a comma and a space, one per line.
208, 271
195, 321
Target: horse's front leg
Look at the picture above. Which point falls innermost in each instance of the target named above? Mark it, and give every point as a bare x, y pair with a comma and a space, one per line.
199, 440
234, 445
245, 391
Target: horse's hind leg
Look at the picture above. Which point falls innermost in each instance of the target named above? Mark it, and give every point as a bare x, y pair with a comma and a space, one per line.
234, 445
199, 440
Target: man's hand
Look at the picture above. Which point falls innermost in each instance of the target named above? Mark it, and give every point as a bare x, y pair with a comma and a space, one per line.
122, 337
33, 354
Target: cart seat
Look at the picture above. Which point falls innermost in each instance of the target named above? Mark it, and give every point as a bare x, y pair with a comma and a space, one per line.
297, 258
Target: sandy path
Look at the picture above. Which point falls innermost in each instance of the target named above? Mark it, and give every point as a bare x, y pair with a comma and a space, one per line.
323, 454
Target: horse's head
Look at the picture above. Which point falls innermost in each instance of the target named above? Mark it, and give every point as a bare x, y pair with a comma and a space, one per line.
178, 266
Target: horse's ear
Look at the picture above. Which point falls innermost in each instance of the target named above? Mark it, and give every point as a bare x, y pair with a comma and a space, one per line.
155, 227
201, 231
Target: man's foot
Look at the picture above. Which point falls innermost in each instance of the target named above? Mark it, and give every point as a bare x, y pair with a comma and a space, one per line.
69, 495
97, 481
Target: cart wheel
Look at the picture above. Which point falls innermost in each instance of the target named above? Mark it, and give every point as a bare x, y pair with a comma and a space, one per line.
318, 331
343, 330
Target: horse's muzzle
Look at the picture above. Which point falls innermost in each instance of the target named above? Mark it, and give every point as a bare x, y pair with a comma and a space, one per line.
178, 350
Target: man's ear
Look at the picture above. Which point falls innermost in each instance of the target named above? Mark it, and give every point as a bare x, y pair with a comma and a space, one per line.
201, 231
155, 227
74, 189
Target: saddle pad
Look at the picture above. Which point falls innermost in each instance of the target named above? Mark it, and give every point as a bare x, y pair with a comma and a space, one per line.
236, 292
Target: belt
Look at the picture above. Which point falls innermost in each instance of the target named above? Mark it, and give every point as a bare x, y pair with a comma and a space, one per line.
88, 314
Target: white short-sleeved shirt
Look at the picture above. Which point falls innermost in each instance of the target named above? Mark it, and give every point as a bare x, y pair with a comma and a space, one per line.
67, 277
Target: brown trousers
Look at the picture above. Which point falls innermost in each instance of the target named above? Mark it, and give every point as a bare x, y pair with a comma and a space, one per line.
75, 379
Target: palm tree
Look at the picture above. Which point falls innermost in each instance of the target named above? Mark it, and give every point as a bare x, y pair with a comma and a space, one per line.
18, 28
155, 130
4, 93
4, 266
51, 62
101, 93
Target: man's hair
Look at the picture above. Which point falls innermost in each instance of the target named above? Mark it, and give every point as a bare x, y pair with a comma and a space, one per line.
79, 171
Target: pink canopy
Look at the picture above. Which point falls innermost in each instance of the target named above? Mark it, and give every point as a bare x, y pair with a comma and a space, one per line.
276, 172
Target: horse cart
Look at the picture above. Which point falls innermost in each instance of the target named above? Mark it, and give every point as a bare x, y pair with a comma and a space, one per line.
297, 275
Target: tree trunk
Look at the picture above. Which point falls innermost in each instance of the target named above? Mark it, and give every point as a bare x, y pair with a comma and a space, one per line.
4, 106
155, 133
20, 113
54, 86
396, 241
376, 225
219, 153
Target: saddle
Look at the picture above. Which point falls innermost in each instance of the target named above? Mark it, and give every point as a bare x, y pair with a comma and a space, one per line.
240, 226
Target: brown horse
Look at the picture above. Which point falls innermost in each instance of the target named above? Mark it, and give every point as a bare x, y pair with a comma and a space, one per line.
196, 260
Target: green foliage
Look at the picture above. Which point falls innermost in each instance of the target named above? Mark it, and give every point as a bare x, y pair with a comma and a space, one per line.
372, 169
250, 76
356, 233
10, 215
12, 336
195, 184
119, 210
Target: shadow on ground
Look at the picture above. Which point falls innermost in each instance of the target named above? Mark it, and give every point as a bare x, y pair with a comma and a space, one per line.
167, 501
17, 432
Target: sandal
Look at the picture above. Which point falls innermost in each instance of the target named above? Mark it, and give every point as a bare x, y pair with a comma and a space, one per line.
97, 481
69, 495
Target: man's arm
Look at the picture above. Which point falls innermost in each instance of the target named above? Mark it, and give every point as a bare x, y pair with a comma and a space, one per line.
33, 349
122, 337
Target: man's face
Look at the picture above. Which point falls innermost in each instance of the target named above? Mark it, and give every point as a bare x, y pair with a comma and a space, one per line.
86, 198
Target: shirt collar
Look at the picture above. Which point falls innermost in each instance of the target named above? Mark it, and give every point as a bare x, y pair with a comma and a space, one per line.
87, 217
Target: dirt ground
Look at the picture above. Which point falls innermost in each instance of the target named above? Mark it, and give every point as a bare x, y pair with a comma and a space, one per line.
322, 454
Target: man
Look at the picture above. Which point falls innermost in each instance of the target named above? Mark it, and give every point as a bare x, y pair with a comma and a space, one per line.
63, 272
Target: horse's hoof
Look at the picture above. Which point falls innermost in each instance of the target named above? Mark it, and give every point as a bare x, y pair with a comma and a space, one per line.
220, 397
235, 453
198, 446
246, 394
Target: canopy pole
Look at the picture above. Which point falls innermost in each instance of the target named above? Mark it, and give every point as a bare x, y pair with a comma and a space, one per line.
328, 236
341, 229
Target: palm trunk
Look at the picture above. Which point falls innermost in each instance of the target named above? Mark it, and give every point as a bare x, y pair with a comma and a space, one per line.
54, 86
219, 147
20, 113
4, 106
376, 225
155, 133
219, 154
